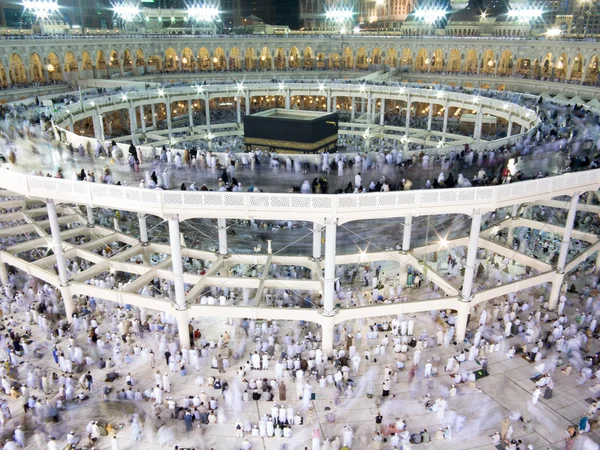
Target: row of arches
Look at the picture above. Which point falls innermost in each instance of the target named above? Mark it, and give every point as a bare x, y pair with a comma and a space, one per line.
51, 68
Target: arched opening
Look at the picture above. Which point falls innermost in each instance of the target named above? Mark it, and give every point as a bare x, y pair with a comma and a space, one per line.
188, 62
235, 59
100, 60
55, 71
127, 61
250, 59
18, 74
547, 65
407, 58
562, 64
391, 57
140, 60
115, 62
294, 58
488, 62
524, 66
219, 59
376, 56
361, 59
422, 61
171, 60
471, 62
203, 61
320, 60
155, 62
86, 61
437, 61
3, 77
265, 59
348, 59
454, 61
309, 62
506, 63
334, 61
592, 71
280, 58
36, 72
577, 67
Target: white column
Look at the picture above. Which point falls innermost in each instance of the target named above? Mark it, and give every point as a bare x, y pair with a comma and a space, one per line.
429, 116
317, 237
182, 327
471, 255
177, 262
142, 119
238, 108
511, 227
90, 215
478, 124
207, 112
408, 106
353, 110
287, 99
222, 226
564, 245
329, 278
334, 104
382, 112
169, 125
369, 109
153, 110
247, 104
191, 113
61, 263
461, 322
143, 228
328, 100
374, 111
133, 124
405, 248
510, 125
3, 274
445, 128
327, 327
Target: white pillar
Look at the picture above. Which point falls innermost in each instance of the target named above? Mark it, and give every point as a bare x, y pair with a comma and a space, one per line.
329, 278
143, 228
510, 125
445, 127
238, 109
61, 262
334, 104
369, 109
405, 248
461, 322
191, 113
142, 119
327, 327
207, 112
133, 124
382, 112
511, 227
90, 215
352, 109
564, 245
247, 104
408, 106
328, 100
3, 274
317, 237
177, 262
153, 111
374, 111
222, 226
287, 99
471, 255
478, 124
182, 327
429, 116
169, 124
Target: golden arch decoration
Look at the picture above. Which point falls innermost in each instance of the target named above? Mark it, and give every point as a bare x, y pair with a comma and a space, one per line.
454, 61
155, 61
334, 61
376, 57
348, 59
3, 77
294, 58
437, 61
188, 62
127, 60
280, 58
471, 62
235, 59
320, 60
308, 58
250, 59
391, 57
561, 67
362, 61
577, 67
171, 59
100, 60
592, 70
36, 72
17, 71
422, 62
140, 60
407, 57
54, 67
505, 65
219, 59
203, 59
524, 66
488, 62
265, 59
86, 61
114, 59
547, 65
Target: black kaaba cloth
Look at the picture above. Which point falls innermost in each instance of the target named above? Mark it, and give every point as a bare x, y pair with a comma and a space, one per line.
291, 131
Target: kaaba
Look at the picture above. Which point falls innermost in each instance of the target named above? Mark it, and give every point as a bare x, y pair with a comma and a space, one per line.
291, 131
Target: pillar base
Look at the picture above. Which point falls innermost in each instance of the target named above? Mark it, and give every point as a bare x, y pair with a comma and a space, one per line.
90, 225
144, 244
